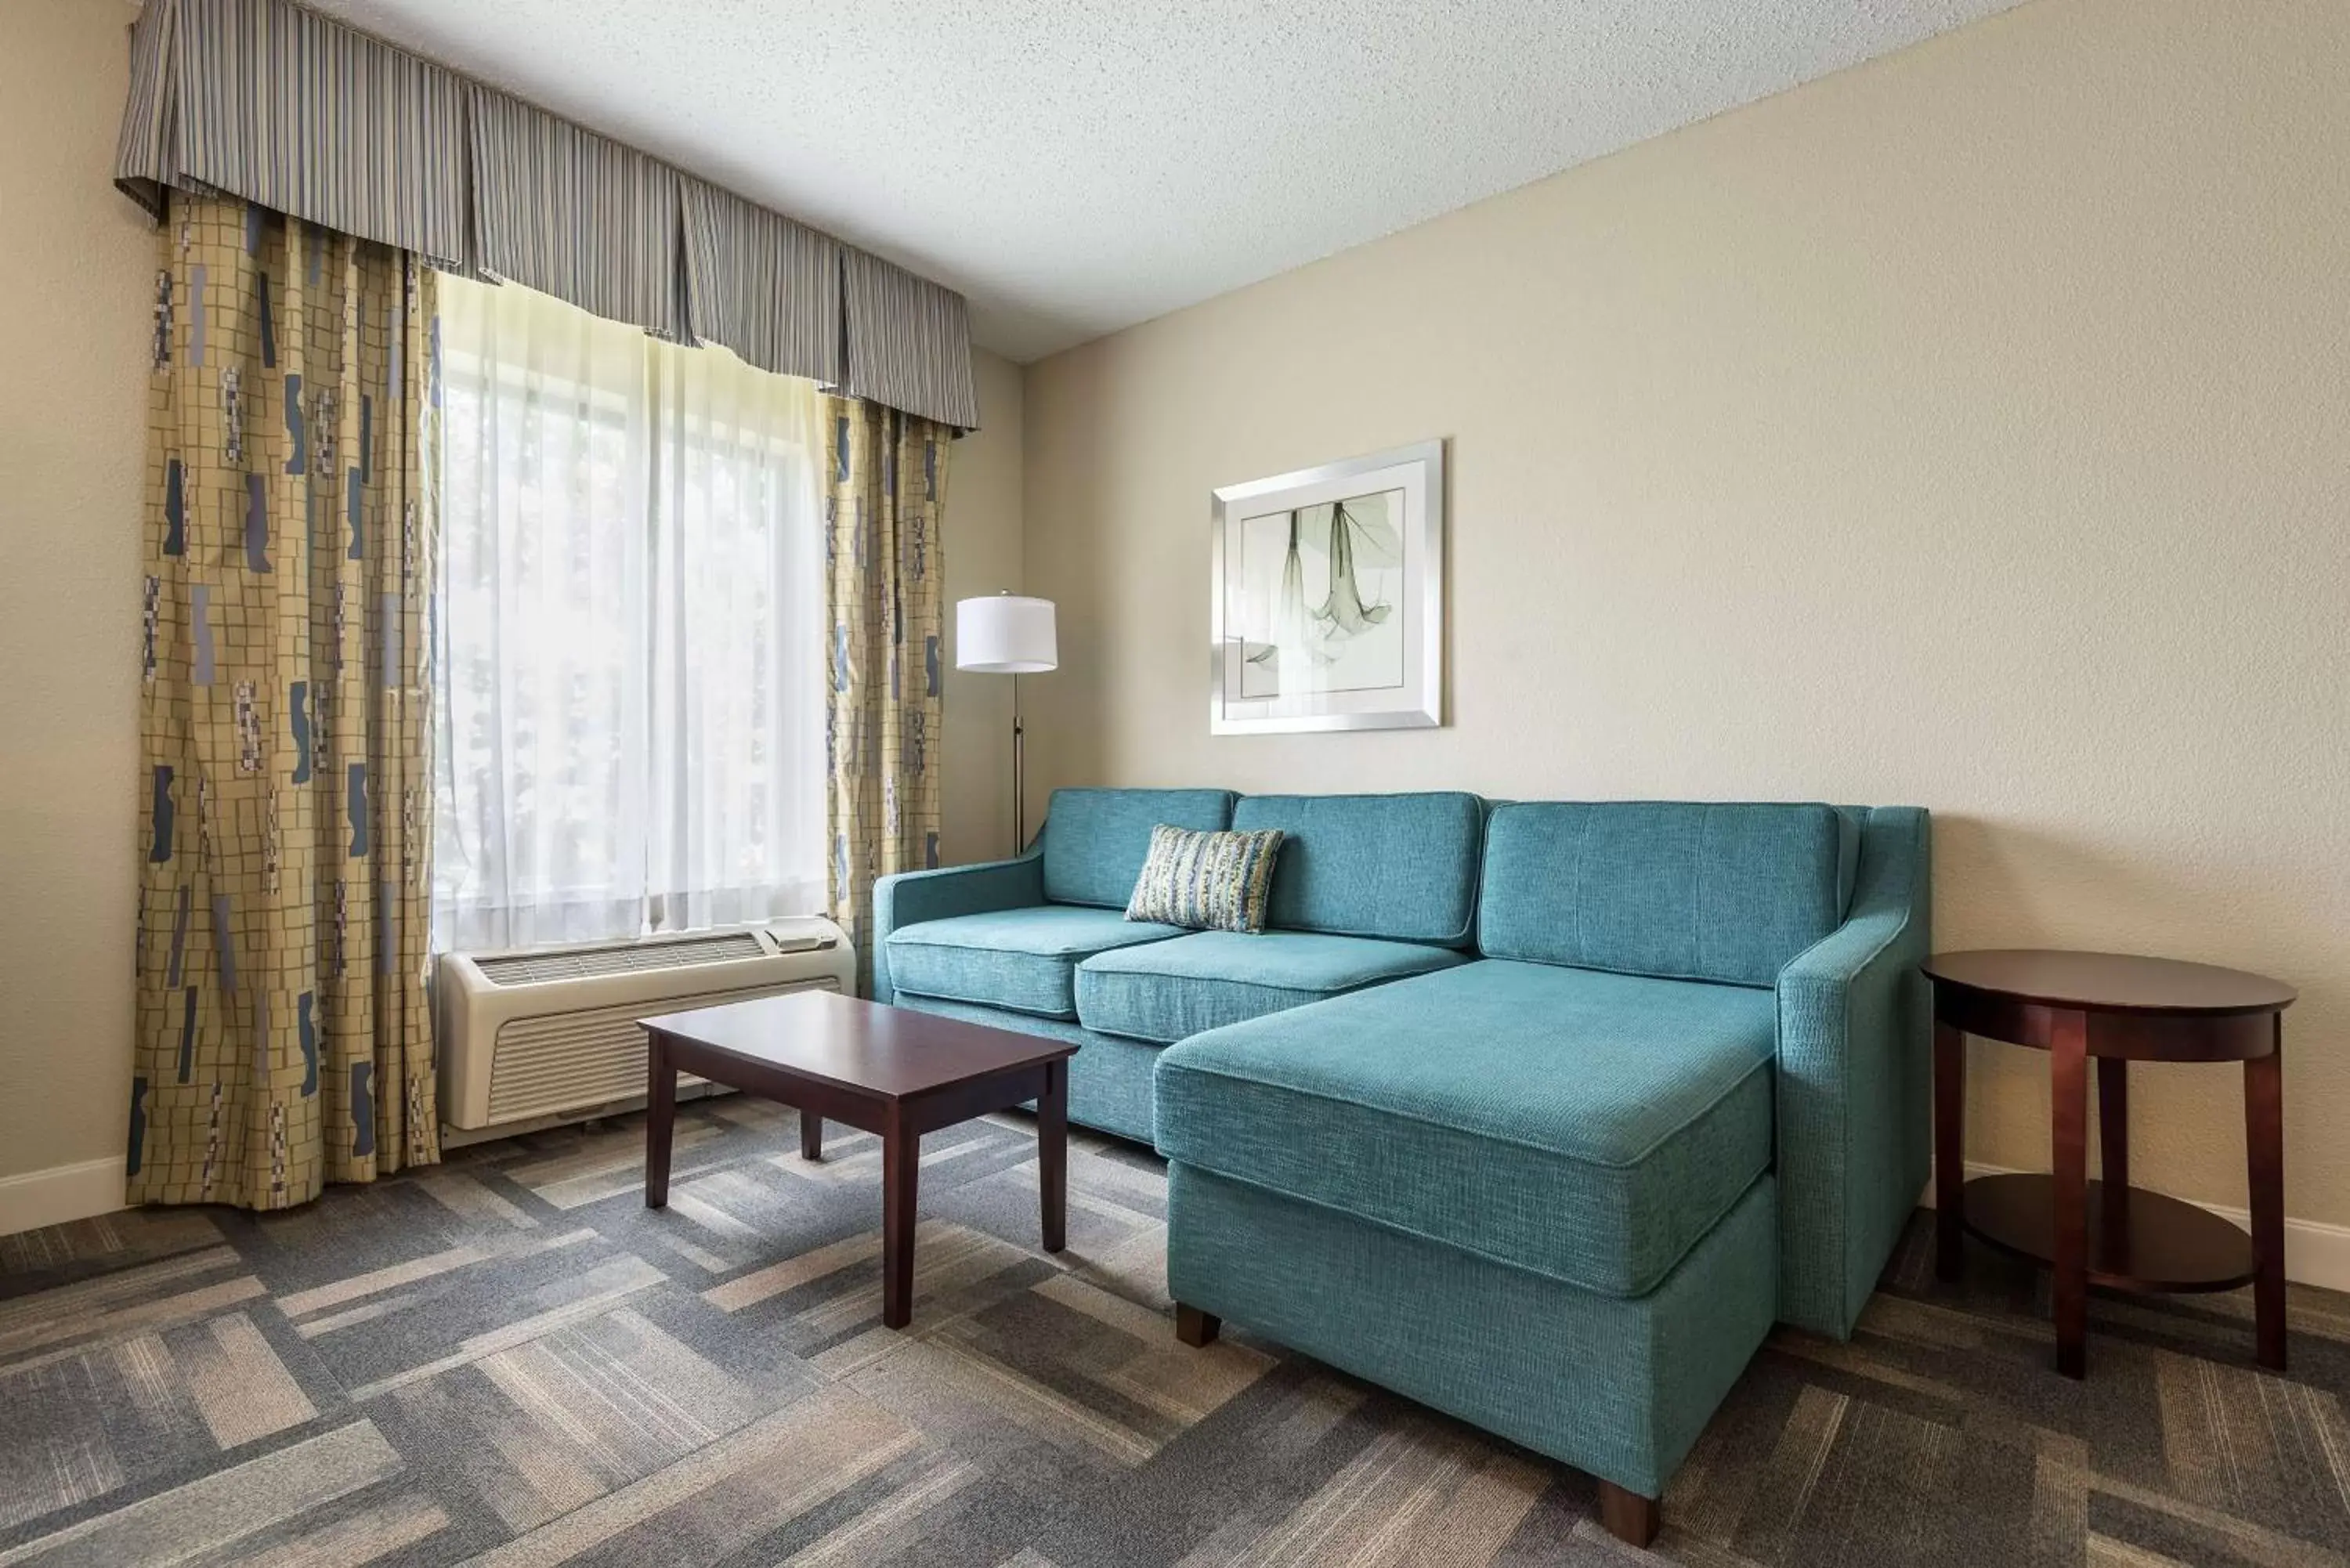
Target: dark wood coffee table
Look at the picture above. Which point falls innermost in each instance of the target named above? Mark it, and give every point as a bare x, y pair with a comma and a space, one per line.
2117, 1009
885, 1070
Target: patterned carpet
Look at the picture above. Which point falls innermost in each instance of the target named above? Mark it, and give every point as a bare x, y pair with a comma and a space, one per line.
508, 1360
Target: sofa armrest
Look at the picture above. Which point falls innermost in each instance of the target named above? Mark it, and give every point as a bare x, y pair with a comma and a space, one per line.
1855, 1081
910, 898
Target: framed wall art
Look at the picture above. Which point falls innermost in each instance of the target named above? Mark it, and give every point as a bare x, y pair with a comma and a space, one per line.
1328, 588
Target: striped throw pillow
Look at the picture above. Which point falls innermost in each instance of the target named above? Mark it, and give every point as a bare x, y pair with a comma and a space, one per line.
1209, 881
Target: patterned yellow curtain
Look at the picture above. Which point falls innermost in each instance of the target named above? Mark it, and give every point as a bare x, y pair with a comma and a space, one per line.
885, 593
283, 1035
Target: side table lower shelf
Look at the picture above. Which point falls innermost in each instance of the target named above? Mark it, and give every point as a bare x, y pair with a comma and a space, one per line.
2145, 1241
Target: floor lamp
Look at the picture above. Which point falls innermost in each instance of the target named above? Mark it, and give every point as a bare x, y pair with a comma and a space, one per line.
1009, 634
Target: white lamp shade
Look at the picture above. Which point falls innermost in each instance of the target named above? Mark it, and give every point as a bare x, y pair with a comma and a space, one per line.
1006, 635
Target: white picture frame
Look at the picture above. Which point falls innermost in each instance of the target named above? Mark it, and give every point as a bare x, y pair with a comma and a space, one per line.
1326, 588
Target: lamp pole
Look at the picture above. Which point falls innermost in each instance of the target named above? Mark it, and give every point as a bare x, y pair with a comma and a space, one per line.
1019, 775
1009, 634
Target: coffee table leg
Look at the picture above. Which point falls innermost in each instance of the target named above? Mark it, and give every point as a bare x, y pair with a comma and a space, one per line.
901, 1165
660, 1115
811, 1136
2264, 1141
1052, 1154
1949, 1149
2068, 1095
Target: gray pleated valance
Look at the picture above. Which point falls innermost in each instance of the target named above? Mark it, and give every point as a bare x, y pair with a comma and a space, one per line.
282, 107
764, 286
264, 99
573, 214
901, 330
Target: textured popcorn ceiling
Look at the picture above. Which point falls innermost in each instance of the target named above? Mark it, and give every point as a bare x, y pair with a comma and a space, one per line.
1075, 166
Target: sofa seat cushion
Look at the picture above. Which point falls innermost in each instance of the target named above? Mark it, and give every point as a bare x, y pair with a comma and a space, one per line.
1587, 1125
1167, 991
1025, 960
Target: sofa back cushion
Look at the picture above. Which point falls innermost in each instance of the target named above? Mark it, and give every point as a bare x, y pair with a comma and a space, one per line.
1097, 839
1402, 866
1682, 890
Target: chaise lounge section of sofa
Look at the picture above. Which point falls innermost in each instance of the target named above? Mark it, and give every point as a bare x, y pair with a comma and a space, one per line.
1538, 1113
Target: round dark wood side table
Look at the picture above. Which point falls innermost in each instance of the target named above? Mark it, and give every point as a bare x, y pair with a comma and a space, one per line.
2118, 1009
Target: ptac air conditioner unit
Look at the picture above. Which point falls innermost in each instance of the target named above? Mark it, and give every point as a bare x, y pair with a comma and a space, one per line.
545, 1034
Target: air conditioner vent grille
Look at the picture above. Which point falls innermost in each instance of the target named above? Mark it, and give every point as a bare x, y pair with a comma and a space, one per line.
560, 1061
575, 963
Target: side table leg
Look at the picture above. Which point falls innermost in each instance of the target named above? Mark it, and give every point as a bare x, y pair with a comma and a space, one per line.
901, 1165
661, 1117
2113, 1122
1949, 1149
2068, 1098
2264, 1149
811, 1136
1052, 1155
2113, 1150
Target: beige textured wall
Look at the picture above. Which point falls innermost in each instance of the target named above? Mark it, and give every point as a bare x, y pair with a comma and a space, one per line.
76, 264
1969, 429
983, 543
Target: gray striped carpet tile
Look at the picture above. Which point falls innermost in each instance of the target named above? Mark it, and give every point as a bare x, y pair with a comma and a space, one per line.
507, 1359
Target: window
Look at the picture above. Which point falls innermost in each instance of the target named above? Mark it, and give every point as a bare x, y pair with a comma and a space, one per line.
630, 660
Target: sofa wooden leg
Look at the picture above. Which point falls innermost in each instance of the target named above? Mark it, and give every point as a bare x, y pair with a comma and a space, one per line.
1194, 1328
1626, 1515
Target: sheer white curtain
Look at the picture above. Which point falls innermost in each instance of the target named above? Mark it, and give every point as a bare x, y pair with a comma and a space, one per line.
631, 654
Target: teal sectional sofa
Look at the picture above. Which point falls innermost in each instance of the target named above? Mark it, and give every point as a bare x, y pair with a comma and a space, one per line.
1539, 1113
